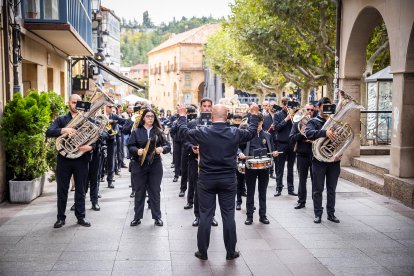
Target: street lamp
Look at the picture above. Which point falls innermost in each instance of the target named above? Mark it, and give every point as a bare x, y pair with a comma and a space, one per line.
96, 6
99, 56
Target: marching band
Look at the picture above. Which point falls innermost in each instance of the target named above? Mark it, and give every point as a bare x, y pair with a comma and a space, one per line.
218, 151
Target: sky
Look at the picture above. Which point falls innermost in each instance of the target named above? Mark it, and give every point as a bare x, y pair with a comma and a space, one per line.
165, 10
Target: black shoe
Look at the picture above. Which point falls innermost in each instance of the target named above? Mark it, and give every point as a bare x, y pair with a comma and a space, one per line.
272, 176
244, 193
214, 222
300, 206
72, 208
135, 222
84, 222
238, 207
333, 218
117, 173
196, 222
248, 221
264, 220
111, 186
317, 219
132, 194
96, 207
188, 206
181, 194
201, 256
158, 222
175, 179
124, 166
292, 193
232, 256
278, 193
59, 223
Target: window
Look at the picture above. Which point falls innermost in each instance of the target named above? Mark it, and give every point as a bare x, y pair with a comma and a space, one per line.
51, 8
187, 79
32, 9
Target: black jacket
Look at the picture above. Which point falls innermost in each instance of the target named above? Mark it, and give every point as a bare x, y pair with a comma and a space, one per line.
138, 140
218, 146
268, 143
302, 147
313, 128
282, 127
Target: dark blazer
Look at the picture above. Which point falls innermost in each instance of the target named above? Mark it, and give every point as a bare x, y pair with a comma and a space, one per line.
218, 146
313, 128
269, 143
282, 127
302, 147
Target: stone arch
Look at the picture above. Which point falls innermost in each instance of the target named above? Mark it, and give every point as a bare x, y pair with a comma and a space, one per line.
200, 92
359, 18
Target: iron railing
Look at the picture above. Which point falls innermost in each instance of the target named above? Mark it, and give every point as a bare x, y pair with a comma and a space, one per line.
74, 12
376, 127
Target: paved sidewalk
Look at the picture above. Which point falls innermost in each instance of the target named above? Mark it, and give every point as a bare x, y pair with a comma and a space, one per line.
375, 236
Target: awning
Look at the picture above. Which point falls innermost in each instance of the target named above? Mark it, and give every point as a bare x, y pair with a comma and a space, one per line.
117, 75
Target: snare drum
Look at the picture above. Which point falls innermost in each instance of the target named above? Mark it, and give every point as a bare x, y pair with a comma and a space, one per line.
259, 163
241, 167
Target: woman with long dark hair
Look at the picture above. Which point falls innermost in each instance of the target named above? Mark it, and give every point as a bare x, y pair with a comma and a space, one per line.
145, 145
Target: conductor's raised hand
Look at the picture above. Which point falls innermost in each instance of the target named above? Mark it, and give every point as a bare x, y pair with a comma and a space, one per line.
254, 109
181, 110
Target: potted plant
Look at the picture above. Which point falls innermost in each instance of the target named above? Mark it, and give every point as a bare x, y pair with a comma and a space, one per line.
23, 127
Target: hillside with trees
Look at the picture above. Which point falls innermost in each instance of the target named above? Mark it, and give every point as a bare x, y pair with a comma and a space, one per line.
138, 38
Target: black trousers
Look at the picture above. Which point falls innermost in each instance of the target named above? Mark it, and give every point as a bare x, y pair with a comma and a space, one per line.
119, 159
184, 169
65, 168
263, 180
94, 175
110, 160
289, 156
241, 187
177, 158
304, 164
148, 178
330, 172
226, 191
192, 182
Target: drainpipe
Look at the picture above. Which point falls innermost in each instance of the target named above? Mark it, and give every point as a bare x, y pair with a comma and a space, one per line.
337, 49
5, 15
16, 58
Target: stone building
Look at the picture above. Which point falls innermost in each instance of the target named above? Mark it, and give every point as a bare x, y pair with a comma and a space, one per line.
176, 71
49, 35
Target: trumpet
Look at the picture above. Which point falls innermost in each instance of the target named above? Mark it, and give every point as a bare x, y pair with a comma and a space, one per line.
302, 119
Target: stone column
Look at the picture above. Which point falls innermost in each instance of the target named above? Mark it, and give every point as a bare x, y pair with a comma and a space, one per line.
351, 86
402, 138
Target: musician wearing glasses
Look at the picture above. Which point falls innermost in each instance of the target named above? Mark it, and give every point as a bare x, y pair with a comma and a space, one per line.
145, 146
262, 140
303, 154
283, 125
66, 167
323, 170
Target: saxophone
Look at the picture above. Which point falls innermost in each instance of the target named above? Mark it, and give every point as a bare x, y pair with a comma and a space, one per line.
326, 150
88, 128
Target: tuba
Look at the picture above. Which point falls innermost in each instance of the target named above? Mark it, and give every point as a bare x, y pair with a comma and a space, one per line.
326, 150
88, 127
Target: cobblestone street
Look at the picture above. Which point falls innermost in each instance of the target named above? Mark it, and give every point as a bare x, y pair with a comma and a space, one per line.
375, 237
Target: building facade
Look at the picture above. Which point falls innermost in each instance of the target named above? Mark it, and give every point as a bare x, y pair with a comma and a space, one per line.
176, 70
40, 37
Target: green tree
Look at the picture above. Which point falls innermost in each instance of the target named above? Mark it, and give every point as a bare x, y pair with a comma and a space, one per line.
146, 21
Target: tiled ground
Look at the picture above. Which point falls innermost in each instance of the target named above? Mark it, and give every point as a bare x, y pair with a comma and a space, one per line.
375, 236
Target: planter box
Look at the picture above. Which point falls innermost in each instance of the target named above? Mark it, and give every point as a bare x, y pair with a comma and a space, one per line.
26, 191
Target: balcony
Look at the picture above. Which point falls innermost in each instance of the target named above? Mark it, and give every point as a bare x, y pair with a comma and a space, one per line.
191, 67
65, 24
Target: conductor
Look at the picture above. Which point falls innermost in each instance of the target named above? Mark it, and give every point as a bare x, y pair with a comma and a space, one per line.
218, 146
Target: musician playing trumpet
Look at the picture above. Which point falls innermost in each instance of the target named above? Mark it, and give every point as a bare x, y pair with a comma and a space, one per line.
145, 146
262, 140
303, 153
